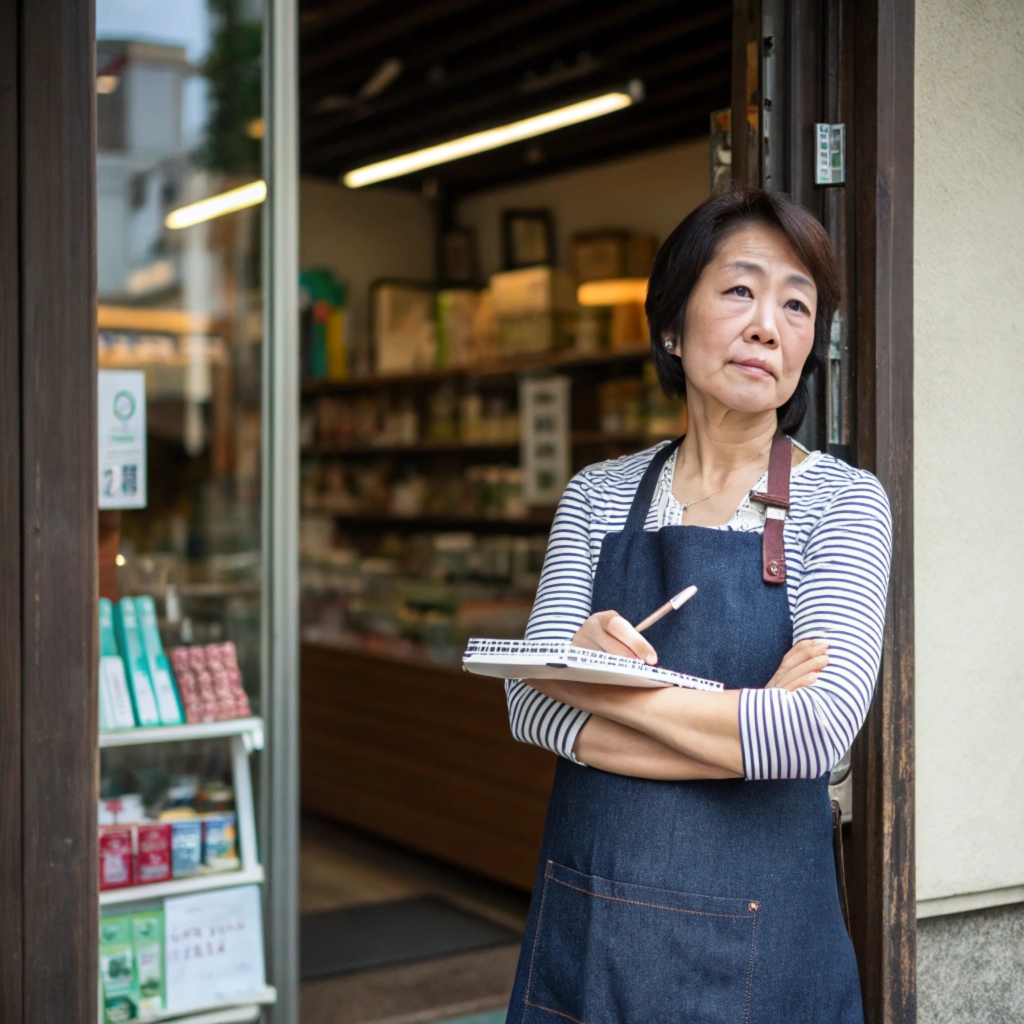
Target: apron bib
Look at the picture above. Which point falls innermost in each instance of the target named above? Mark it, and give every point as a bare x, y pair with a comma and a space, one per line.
710, 902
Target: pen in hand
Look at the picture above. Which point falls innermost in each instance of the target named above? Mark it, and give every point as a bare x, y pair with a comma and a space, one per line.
671, 605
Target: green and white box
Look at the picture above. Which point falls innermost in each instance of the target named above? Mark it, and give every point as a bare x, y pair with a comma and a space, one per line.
118, 974
115, 698
148, 936
129, 640
156, 660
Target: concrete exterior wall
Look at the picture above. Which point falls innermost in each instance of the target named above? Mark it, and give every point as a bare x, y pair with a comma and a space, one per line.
969, 453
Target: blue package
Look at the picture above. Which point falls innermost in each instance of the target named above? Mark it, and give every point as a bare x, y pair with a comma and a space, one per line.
186, 848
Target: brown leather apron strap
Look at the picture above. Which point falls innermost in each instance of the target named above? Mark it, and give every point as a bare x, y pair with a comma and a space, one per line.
776, 504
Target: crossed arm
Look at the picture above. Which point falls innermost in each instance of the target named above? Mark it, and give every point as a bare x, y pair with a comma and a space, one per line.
668, 733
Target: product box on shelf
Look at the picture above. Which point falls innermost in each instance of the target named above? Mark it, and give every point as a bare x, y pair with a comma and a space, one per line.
530, 333
533, 290
210, 682
153, 857
403, 326
156, 661
186, 847
115, 697
220, 847
148, 942
129, 640
118, 973
116, 857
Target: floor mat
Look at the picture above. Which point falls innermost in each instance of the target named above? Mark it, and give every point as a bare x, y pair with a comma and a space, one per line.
367, 936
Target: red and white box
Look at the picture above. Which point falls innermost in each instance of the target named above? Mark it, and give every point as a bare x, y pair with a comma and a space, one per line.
153, 857
116, 857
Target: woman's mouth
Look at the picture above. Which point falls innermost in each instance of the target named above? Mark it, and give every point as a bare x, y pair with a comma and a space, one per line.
754, 368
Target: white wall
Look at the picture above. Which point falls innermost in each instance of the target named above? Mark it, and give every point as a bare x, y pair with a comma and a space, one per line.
969, 447
362, 235
649, 194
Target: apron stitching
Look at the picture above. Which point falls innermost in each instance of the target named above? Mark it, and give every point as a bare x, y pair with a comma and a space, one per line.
640, 903
750, 970
547, 1009
536, 939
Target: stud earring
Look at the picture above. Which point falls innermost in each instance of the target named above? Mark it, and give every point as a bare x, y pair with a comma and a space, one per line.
669, 344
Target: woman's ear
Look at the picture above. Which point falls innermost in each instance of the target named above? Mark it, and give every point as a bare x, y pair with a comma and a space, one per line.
669, 342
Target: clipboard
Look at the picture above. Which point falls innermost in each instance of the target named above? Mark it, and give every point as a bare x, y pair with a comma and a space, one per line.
546, 659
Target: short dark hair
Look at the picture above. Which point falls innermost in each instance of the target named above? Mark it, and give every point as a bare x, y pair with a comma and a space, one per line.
692, 246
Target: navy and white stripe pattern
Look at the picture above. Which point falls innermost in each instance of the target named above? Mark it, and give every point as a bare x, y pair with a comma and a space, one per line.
838, 539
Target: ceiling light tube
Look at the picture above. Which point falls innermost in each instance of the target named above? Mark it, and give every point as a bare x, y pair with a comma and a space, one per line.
217, 206
493, 138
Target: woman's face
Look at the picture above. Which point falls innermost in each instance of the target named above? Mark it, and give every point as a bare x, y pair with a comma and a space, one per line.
749, 324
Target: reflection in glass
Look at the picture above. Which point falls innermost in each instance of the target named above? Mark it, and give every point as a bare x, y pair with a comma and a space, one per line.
179, 121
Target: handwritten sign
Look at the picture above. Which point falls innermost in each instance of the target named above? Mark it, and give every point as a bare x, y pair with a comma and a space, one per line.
214, 947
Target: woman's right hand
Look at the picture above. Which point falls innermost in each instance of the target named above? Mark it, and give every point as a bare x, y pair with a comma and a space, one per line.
610, 632
800, 666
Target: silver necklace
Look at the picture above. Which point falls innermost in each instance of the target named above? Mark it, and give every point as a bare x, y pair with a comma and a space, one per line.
707, 497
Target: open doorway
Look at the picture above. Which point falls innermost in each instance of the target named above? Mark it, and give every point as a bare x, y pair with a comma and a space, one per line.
439, 302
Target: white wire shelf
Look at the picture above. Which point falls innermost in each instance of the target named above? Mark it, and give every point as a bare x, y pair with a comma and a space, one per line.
251, 729
181, 886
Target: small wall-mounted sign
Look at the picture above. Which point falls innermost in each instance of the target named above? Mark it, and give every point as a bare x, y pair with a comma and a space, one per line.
830, 154
122, 438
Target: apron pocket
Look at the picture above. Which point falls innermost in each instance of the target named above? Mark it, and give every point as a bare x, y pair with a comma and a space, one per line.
608, 952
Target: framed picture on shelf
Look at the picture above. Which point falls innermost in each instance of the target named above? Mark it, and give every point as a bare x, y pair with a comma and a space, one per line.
458, 256
528, 238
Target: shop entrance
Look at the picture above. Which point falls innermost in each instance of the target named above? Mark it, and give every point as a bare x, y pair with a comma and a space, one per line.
443, 306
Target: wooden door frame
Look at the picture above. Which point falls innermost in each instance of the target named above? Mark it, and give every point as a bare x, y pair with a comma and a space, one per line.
851, 61
49, 910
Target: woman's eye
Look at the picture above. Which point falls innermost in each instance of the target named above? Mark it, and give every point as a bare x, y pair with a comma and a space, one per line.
741, 290
797, 306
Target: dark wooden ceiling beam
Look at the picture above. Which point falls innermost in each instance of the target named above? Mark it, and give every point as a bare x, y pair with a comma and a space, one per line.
429, 52
458, 119
495, 63
317, 17
384, 31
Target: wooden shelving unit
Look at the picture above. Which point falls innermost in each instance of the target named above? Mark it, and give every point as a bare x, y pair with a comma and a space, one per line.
568, 360
540, 520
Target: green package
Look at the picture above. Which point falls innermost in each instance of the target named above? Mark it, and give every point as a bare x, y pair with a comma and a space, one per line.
148, 935
117, 970
116, 711
164, 690
129, 640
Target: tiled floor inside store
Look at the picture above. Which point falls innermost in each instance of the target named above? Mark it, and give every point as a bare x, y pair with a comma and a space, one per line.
341, 867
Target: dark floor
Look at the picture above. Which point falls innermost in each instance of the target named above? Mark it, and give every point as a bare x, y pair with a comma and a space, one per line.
340, 867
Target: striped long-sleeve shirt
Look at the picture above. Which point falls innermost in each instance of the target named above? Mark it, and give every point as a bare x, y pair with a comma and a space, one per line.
838, 538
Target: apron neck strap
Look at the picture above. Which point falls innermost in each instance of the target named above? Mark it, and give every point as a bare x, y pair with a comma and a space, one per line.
775, 499
645, 491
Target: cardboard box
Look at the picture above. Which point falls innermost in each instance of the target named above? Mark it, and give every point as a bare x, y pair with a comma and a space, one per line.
599, 254
531, 333
533, 290
153, 854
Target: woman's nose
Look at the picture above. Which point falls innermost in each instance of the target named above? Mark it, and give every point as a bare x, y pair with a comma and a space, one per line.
763, 329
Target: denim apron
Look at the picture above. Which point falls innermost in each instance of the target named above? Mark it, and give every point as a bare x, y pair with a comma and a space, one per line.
710, 902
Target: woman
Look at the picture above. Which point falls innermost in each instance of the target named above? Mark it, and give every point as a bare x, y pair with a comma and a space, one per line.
686, 872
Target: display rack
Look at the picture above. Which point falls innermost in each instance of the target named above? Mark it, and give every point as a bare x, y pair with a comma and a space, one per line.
245, 735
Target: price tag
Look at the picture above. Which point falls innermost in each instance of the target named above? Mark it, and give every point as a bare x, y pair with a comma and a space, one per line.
122, 438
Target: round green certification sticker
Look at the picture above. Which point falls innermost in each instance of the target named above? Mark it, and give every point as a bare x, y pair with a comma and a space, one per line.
124, 405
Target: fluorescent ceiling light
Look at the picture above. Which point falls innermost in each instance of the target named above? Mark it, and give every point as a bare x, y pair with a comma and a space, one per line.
217, 206
492, 138
612, 291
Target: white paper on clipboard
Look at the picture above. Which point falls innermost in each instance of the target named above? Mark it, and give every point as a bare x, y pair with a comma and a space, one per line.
544, 659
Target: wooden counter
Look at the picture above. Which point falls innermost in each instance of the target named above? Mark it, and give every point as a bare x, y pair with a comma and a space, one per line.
422, 755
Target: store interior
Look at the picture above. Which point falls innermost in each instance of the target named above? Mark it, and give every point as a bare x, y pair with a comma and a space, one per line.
440, 307
471, 335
